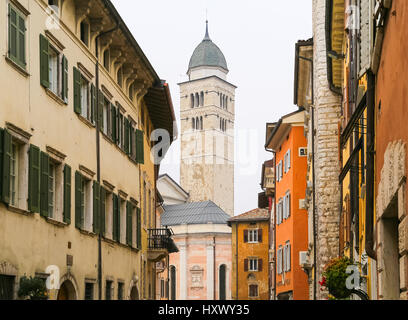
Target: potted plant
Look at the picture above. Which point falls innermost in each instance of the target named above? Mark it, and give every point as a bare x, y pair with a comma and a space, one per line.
335, 277
33, 289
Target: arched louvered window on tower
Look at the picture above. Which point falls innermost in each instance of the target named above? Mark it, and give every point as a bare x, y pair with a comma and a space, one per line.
194, 124
202, 98
226, 104
192, 100
201, 123
197, 100
220, 100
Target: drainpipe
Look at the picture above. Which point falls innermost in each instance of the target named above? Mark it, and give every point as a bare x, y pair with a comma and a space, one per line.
98, 152
369, 243
215, 269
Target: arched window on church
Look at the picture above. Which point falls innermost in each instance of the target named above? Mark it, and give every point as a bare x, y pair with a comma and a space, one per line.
226, 104
201, 98
192, 100
201, 123
193, 124
197, 100
220, 100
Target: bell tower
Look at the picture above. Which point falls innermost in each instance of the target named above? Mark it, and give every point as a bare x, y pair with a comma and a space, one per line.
207, 110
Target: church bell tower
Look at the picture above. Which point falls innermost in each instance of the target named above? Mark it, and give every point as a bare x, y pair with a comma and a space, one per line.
207, 110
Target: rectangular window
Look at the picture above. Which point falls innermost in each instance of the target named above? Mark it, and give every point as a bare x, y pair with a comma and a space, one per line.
7, 287
279, 259
54, 70
108, 290
253, 236
89, 291
253, 290
106, 117
120, 290
253, 264
83, 203
17, 37
85, 99
122, 204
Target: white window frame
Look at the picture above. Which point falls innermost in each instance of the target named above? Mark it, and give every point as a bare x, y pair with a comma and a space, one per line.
287, 257
86, 110
253, 236
253, 264
288, 206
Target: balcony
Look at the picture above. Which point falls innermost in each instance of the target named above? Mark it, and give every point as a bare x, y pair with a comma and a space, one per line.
160, 244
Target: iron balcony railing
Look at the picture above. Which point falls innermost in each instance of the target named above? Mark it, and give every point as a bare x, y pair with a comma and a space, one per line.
160, 239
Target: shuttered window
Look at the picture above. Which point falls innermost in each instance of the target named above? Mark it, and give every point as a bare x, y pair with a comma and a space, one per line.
79, 201
67, 194
96, 207
44, 61
17, 37
34, 179
44, 184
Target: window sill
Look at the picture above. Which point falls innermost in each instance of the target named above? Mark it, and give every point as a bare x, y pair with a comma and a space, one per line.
55, 97
86, 121
56, 222
88, 233
17, 67
19, 211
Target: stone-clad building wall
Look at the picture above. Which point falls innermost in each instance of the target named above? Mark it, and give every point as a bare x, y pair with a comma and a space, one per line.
327, 115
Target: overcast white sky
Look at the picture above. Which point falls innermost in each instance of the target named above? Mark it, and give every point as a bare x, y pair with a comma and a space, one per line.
258, 40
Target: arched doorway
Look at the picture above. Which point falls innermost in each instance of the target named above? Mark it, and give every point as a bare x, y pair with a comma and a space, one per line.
134, 293
173, 283
222, 282
66, 291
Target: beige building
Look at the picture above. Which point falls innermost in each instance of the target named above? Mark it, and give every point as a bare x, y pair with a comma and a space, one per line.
77, 183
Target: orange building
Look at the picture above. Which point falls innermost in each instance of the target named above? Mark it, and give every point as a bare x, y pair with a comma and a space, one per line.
287, 140
250, 244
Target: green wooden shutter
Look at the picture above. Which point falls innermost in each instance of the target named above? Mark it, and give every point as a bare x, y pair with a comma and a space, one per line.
126, 139
120, 141
77, 91
118, 220
131, 141
34, 179
67, 194
139, 228
93, 104
1, 160
113, 121
6, 167
96, 200
102, 210
139, 147
44, 62
12, 26
100, 110
44, 184
21, 41
78, 193
115, 217
129, 235
65, 79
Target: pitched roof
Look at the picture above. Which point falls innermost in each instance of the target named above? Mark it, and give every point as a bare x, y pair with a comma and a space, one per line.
253, 215
193, 213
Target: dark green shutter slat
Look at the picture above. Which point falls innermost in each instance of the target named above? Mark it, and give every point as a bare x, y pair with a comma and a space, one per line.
93, 104
139, 146
96, 199
34, 179
100, 110
113, 122
13, 32
129, 224
118, 220
139, 226
6, 167
44, 184
67, 194
103, 210
77, 91
126, 142
21, 41
131, 141
64, 78
44, 62
115, 217
120, 130
78, 188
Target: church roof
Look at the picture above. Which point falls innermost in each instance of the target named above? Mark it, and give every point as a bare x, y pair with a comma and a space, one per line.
208, 54
193, 213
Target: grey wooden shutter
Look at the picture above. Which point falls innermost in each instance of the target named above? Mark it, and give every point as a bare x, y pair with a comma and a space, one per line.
12, 27
67, 194
100, 111
34, 179
21, 41
44, 184
288, 257
288, 204
44, 62
77, 91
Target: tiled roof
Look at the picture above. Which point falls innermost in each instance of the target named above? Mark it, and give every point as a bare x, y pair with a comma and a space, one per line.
193, 213
253, 215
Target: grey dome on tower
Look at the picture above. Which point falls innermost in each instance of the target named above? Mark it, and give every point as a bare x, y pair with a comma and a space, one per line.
207, 54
